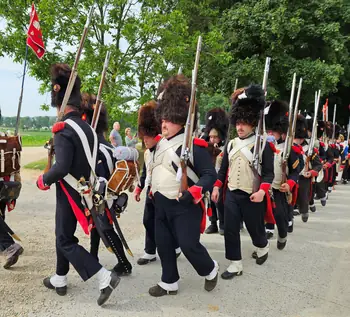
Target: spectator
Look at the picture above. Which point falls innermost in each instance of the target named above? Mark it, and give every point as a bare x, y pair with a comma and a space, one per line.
130, 140
114, 137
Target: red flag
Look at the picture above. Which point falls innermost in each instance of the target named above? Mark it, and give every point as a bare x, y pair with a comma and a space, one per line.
34, 35
324, 110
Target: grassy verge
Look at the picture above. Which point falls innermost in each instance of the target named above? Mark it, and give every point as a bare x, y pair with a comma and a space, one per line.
37, 165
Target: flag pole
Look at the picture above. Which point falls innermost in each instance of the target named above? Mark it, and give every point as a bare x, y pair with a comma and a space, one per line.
21, 95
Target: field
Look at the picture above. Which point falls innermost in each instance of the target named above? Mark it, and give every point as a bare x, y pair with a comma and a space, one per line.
31, 138
35, 138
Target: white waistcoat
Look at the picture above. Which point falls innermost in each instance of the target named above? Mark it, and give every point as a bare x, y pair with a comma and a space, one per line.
240, 174
163, 174
277, 180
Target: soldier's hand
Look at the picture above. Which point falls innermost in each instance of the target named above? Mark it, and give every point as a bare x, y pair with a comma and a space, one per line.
284, 188
215, 194
307, 175
257, 197
40, 183
137, 193
185, 197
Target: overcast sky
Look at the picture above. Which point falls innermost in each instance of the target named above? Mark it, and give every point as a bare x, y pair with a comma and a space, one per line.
10, 83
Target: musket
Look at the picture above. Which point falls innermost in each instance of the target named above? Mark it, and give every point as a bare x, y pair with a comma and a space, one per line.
188, 135
296, 112
314, 132
179, 72
334, 123
236, 84
8, 229
97, 109
260, 129
74, 71
289, 137
72, 78
348, 134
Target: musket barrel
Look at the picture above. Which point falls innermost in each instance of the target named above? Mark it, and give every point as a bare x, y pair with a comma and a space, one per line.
97, 110
74, 72
266, 73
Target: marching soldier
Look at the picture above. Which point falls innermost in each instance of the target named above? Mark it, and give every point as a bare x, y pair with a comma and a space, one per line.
310, 170
180, 214
216, 128
318, 187
75, 143
277, 123
149, 130
241, 203
104, 168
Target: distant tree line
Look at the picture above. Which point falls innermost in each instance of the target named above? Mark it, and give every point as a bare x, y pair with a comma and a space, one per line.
29, 123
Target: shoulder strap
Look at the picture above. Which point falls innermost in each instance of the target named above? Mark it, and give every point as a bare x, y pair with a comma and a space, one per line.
91, 157
104, 149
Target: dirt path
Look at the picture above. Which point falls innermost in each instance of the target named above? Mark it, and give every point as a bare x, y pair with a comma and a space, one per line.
307, 279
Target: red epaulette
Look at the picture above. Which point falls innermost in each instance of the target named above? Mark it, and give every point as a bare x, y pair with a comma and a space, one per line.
316, 150
58, 126
273, 148
322, 144
157, 138
297, 149
200, 142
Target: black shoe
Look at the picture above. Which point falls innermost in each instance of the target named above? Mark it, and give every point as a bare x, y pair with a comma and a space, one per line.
290, 228
213, 228
228, 275
107, 291
209, 285
59, 290
255, 255
313, 208
323, 201
305, 217
221, 232
296, 212
123, 269
12, 255
281, 245
157, 291
142, 261
262, 259
269, 235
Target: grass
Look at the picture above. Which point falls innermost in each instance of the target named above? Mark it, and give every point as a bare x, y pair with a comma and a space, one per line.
37, 165
35, 138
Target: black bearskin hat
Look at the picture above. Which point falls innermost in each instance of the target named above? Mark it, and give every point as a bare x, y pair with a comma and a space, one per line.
174, 100
247, 104
87, 108
277, 117
60, 74
301, 128
147, 123
321, 126
309, 116
329, 129
217, 119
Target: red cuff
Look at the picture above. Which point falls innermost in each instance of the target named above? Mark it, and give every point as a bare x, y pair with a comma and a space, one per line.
348, 156
342, 166
40, 183
314, 173
218, 183
138, 190
200, 142
291, 184
196, 192
265, 187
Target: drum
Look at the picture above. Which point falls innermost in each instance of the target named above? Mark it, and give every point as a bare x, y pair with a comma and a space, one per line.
123, 176
10, 154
